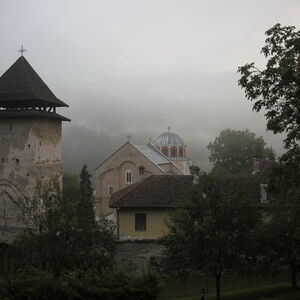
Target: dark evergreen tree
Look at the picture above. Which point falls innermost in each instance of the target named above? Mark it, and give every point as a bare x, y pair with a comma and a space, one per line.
85, 202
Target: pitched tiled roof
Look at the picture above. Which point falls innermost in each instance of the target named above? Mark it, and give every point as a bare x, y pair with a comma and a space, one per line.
250, 182
21, 86
155, 191
169, 190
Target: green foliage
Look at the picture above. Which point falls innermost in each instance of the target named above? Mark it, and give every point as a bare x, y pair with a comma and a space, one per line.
70, 185
232, 151
213, 233
32, 284
277, 88
282, 229
85, 203
113, 284
62, 232
285, 177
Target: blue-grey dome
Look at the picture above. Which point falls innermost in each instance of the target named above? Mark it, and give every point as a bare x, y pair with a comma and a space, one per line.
169, 138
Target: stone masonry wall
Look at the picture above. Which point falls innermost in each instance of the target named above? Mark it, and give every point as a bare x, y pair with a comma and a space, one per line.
30, 152
138, 255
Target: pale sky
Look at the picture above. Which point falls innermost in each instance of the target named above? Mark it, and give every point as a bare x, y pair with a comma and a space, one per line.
95, 38
139, 66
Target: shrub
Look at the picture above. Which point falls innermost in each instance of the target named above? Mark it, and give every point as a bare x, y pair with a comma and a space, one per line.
113, 284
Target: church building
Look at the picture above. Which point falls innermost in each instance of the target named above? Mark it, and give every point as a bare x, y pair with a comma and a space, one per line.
132, 163
30, 140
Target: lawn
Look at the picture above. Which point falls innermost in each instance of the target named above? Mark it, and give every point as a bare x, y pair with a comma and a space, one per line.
191, 287
272, 292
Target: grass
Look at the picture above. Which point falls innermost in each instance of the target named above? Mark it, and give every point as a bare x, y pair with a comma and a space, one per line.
273, 292
191, 287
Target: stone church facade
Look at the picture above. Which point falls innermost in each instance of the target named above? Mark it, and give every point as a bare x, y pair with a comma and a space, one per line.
30, 140
132, 163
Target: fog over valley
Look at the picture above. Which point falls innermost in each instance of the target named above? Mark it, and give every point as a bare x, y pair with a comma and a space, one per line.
137, 66
197, 106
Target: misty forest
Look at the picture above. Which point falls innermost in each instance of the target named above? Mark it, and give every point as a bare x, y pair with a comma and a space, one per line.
150, 150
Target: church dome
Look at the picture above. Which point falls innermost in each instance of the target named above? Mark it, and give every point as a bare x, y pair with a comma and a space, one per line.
169, 138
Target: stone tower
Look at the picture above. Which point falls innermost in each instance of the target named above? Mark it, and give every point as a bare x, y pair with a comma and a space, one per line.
30, 139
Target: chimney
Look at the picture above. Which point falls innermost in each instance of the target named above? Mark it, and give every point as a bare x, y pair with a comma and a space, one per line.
195, 170
141, 172
256, 161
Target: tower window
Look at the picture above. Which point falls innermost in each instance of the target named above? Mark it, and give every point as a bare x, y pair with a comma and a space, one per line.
110, 190
165, 151
128, 176
140, 222
180, 152
17, 160
3, 159
173, 152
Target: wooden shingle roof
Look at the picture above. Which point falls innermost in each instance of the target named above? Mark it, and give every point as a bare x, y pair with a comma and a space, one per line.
21, 86
156, 191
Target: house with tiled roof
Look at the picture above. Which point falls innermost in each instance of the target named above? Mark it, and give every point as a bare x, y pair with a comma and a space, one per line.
142, 208
132, 163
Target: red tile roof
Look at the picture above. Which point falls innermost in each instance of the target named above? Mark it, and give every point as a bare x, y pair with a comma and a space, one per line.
154, 191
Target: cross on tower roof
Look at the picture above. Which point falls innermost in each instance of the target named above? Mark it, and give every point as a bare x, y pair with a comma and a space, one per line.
169, 128
22, 50
129, 137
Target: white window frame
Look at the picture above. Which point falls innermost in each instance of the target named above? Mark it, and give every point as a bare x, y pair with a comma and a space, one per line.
128, 176
263, 193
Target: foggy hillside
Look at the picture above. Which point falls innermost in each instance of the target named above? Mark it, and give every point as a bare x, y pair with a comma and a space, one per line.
196, 106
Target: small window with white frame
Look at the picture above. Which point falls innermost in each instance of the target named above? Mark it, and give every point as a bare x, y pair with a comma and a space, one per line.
263, 193
110, 190
128, 176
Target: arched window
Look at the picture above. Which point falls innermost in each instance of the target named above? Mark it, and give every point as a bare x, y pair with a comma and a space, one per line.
180, 152
110, 190
165, 151
173, 152
128, 176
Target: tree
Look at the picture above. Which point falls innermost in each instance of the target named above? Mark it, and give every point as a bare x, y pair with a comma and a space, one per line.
282, 234
233, 150
70, 185
85, 202
276, 88
213, 232
62, 233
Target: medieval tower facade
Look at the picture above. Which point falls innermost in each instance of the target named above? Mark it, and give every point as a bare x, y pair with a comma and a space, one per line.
30, 139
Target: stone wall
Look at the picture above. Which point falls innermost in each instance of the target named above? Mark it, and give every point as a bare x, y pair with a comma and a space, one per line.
137, 255
30, 152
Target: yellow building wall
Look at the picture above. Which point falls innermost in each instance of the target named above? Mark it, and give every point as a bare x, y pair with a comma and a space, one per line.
155, 222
